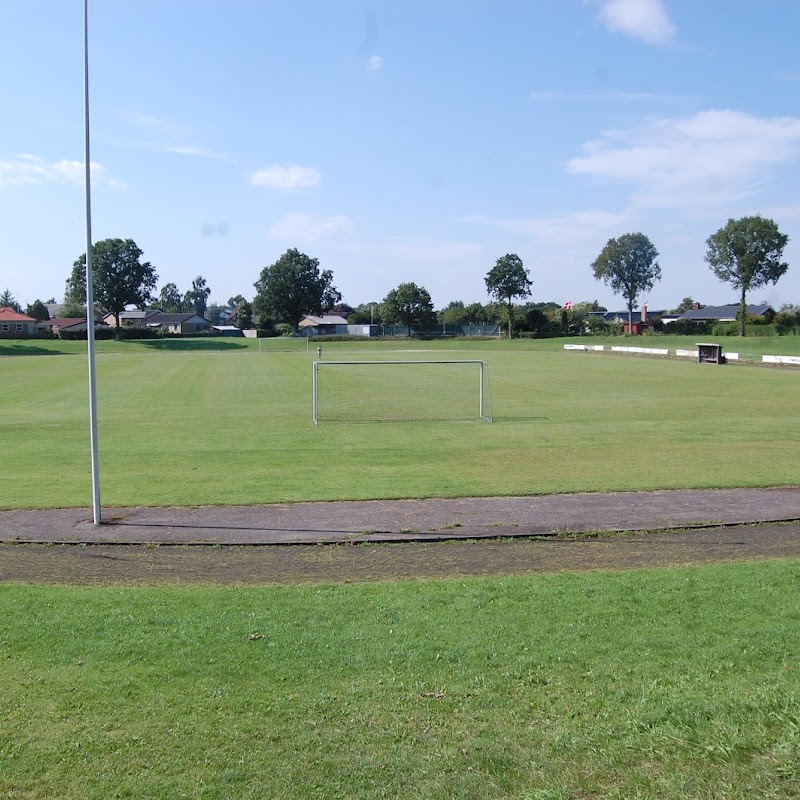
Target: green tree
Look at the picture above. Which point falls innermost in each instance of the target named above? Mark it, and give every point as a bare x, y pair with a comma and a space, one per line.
532, 318
120, 278
342, 310
242, 316
474, 314
506, 280
71, 309
747, 253
687, 304
366, 314
170, 300
597, 325
234, 301
409, 305
628, 265
74, 304
453, 314
38, 310
293, 287
585, 306
196, 299
787, 320
214, 313
7, 301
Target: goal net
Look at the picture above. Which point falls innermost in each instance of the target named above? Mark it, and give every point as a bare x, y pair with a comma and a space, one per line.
397, 391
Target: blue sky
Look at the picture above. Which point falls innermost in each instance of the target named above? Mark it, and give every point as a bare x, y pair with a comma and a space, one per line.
399, 141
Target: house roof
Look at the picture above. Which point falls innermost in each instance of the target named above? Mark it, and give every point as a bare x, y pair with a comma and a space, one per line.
137, 314
7, 314
55, 310
636, 316
173, 319
325, 319
70, 322
727, 312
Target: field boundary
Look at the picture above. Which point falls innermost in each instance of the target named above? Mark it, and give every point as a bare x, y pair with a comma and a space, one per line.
789, 361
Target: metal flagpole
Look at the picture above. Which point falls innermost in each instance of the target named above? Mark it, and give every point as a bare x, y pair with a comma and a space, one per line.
90, 278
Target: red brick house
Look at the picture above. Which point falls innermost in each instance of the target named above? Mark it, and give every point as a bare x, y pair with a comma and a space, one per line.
14, 325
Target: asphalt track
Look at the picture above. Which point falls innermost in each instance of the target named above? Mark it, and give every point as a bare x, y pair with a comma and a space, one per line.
405, 520
309, 542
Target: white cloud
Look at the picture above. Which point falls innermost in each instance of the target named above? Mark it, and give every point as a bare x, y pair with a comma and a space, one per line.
375, 63
646, 20
26, 170
704, 160
304, 227
198, 152
154, 128
286, 176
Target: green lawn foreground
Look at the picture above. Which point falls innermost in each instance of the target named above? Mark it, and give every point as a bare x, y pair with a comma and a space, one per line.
676, 683
215, 422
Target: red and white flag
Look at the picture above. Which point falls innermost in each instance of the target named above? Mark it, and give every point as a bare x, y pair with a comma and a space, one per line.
568, 305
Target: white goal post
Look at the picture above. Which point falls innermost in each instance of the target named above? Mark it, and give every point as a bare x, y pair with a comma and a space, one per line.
399, 391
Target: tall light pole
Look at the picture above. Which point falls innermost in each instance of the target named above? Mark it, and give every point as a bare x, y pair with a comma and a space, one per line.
96, 511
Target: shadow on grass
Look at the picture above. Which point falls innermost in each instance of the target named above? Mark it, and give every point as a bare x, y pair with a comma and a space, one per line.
192, 344
31, 350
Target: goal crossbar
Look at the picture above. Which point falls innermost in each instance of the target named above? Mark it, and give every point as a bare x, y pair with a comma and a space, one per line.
401, 390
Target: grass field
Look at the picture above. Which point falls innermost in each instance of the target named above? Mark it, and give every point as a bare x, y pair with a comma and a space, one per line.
645, 684
668, 683
218, 422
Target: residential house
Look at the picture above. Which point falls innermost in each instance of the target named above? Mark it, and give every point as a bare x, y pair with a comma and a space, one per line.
726, 313
178, 323
227, 330
639, 320
60, 325
14, 325
135, 318
323, 326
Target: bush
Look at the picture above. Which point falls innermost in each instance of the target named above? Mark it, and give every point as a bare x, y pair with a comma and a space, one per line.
76, 336
142, 333
725, 329
689, 327
787, 322
762, 329
284, 329
732, 329
598, 326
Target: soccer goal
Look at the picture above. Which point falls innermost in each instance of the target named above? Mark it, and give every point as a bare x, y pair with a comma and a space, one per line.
399, 391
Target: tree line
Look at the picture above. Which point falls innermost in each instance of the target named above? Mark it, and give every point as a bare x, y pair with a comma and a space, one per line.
746, 253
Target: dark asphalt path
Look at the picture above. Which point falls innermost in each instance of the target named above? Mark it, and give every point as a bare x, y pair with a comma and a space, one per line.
405, 520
